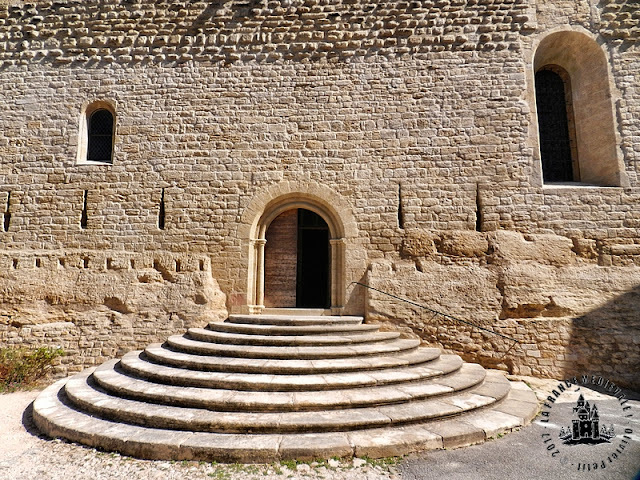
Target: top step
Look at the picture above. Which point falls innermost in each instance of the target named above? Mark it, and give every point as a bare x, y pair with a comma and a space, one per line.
293, 330
294, 320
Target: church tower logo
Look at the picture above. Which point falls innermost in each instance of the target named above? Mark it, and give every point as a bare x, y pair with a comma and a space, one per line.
586, 428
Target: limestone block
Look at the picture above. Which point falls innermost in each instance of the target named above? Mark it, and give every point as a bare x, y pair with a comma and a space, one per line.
419, 243
585, 247
532, 290
463, 243
542, 248
468, 291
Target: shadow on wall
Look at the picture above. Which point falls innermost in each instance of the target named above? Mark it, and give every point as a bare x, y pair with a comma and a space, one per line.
606, 341
559, 336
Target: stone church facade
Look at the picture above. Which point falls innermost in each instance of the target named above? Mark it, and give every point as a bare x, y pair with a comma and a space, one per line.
163, 164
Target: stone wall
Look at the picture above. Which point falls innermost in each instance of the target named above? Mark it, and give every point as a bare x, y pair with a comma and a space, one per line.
99, 305
416, 116
568, 314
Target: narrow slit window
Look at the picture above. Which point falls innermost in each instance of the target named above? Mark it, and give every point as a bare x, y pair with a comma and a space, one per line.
479, 218
400, 211
7, 214
100, 136
161, 212
84, 216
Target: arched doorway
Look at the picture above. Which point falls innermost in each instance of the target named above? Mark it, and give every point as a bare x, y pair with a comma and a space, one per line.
297, 261
321, 202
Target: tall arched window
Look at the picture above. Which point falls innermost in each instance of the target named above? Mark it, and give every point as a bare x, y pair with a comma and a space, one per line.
556, 125
575, 110
100, 136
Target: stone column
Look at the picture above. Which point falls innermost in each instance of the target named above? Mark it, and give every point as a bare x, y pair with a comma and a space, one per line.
257, 284
337, 274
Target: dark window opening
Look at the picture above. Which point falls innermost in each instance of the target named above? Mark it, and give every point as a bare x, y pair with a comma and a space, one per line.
161, 212
7, 214
100, 136
84, 216
479, 218
400, 211
556, 125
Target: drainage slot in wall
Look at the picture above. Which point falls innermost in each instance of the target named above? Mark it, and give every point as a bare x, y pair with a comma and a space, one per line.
161, 212
109, 264
85, 262
178, 266
7, 214
15, 263
38, 263
400, 212
202, 265
83, 217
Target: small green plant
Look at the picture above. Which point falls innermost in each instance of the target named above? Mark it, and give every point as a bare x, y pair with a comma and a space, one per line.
220, 474
21, 368
290, 464
383, 463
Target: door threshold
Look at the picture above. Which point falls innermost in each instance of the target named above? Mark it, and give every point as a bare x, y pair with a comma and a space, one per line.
297, 311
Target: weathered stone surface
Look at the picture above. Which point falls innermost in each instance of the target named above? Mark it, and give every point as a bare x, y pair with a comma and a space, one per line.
569, 315
410, 126
141, 413
545, 249
105, 307
463, 244
419, 244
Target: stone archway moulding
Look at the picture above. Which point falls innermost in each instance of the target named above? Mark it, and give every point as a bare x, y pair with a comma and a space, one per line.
584, 58
271, 202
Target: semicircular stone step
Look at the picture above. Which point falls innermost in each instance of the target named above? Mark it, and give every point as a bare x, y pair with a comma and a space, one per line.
53, 416
85, 396
184, 344
117, 382
159, 354
292, 320
135, 364
205, 335
257, 329
301, 387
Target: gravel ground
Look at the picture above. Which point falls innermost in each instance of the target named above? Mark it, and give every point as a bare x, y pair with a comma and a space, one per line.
24, 455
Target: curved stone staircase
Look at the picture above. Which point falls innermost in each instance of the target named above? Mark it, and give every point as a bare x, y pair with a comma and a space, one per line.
262, 388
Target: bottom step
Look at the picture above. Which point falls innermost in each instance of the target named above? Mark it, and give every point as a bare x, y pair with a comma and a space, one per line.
54, 418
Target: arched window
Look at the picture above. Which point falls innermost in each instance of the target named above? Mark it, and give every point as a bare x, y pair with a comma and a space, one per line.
100, 136
575, 112
96, 137
556, 125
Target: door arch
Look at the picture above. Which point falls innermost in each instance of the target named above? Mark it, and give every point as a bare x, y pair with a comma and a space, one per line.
257, 242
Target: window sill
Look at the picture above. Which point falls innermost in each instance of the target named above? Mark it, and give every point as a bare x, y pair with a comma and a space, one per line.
93, 162
551, 187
